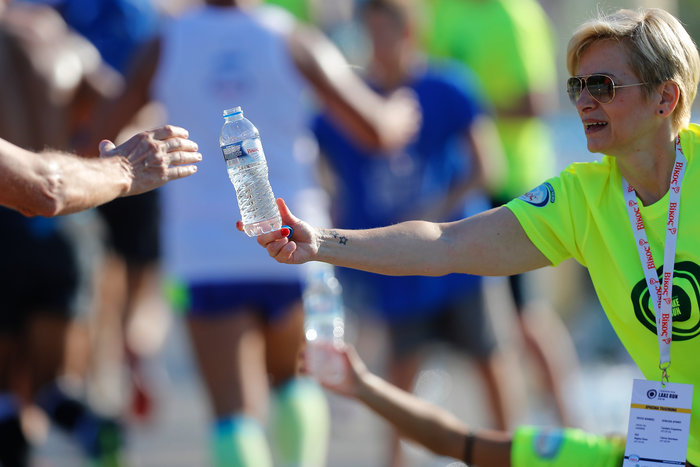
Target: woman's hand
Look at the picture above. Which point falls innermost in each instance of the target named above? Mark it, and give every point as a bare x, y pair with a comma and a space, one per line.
300, 248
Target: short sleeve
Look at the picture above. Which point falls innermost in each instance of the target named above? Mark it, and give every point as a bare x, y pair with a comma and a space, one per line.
546, 213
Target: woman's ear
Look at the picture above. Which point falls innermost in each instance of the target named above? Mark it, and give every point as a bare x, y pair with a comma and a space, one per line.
669, 93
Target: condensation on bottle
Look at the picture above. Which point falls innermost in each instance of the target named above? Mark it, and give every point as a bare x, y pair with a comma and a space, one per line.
324, 323
247, 169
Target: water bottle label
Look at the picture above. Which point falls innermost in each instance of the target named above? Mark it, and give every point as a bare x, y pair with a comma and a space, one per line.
250, 148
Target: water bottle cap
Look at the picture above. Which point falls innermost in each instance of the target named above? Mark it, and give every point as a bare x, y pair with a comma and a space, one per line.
234, 111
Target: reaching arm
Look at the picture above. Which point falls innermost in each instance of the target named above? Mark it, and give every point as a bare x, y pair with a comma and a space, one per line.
53, 183
419, 420
372, 120
491, 243
442, 433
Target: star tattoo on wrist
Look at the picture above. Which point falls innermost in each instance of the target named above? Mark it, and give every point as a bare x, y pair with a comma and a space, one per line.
342, 240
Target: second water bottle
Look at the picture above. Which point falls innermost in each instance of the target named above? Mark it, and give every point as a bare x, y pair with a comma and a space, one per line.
324, 323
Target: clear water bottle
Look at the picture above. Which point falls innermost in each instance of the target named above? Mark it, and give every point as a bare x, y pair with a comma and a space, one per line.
324, 323
247, 169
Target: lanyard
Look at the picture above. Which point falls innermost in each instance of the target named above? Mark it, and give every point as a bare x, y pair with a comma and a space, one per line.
663, 289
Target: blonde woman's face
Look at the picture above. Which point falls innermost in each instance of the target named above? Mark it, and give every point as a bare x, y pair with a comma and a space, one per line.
620, 126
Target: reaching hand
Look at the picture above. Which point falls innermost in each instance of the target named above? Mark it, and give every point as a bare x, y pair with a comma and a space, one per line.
401, 119
155, 157
352, 372
303, 245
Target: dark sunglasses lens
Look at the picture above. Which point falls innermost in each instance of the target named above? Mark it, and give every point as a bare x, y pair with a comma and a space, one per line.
600, 87
573, 89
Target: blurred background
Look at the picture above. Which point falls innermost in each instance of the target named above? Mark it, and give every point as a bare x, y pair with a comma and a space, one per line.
174, 432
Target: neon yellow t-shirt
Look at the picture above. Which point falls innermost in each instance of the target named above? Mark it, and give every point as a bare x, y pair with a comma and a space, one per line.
582, 214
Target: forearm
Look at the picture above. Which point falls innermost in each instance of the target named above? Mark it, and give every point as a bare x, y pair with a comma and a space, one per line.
491, 243
326, 69
57, 183
434, 427
408, 248
373, 121
413, 418
53, 183
81, 183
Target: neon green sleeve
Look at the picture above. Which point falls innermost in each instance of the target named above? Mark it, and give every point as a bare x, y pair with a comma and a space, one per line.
546, 216
567, 447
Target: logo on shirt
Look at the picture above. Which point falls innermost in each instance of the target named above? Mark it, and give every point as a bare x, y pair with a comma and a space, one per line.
547, 443
540, 196
684, 298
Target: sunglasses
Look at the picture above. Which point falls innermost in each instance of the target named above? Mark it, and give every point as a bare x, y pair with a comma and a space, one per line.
600, 87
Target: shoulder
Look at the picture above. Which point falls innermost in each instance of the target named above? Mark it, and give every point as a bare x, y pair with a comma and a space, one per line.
591, 180
590, 171
690, 140
579, 182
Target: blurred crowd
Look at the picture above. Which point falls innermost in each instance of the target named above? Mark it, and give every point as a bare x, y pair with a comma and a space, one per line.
436, 109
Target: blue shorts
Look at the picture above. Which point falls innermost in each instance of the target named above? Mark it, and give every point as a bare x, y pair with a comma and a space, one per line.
270, 299
462, 322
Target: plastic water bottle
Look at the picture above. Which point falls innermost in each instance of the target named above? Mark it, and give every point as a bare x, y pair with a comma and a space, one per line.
324, 323
247, 169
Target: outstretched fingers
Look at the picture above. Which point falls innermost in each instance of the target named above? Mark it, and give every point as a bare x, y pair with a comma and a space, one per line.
170, 131
182, 157
180, 163
179, 145
168, 151
174, 173
180, 152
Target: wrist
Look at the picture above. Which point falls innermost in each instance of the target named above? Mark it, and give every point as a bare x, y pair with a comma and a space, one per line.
365, 387
328, 240
125, 176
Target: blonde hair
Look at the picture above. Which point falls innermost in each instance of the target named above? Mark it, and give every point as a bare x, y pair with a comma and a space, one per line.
659, 48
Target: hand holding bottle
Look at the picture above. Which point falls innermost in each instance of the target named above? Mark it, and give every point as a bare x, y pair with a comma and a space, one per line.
298, 248
353, 370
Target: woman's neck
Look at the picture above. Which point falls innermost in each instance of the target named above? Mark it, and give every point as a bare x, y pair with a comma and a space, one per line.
649, 173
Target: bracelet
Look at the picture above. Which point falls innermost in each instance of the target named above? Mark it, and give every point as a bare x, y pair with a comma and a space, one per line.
468, 448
